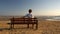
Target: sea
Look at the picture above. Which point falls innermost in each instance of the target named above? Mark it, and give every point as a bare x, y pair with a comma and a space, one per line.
57, 18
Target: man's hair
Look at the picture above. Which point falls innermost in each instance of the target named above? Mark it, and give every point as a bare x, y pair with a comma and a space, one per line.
30, 10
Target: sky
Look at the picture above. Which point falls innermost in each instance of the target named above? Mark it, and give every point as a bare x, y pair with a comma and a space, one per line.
21, 7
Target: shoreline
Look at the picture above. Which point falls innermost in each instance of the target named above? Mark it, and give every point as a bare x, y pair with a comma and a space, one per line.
52, 20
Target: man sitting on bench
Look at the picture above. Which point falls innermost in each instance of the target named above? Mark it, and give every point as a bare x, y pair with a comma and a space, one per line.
28, 19
29, 15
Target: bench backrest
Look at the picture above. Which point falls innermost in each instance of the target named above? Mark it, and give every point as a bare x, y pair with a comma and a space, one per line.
24, 20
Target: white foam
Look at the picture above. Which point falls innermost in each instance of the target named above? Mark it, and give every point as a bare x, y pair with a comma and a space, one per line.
52, 20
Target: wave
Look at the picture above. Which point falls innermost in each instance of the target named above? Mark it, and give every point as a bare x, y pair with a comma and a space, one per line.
54, 19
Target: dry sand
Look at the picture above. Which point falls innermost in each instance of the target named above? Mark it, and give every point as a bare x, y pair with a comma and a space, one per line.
44, 27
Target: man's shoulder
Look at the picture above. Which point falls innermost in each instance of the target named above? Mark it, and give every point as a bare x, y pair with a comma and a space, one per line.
29, 14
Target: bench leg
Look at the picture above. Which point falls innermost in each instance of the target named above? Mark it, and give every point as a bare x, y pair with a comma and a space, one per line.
11, 26
27, 25
32, 26
36, 26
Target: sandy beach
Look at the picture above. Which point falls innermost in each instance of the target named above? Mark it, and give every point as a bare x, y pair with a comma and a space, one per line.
44, 27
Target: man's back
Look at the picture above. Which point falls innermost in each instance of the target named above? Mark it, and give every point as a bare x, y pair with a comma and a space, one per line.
29, 15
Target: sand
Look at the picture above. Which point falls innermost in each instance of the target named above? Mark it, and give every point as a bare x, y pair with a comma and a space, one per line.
44, 27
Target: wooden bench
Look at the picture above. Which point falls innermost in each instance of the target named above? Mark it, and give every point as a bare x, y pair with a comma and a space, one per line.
24, 21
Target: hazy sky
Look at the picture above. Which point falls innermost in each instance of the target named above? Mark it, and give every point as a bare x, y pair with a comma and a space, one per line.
21, 7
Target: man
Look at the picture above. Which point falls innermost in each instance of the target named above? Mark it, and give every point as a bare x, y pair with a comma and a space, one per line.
29, 15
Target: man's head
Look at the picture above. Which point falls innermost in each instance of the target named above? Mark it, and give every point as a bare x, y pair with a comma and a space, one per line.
30, 10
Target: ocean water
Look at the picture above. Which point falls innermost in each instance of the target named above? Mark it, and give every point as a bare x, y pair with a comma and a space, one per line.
54, 19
